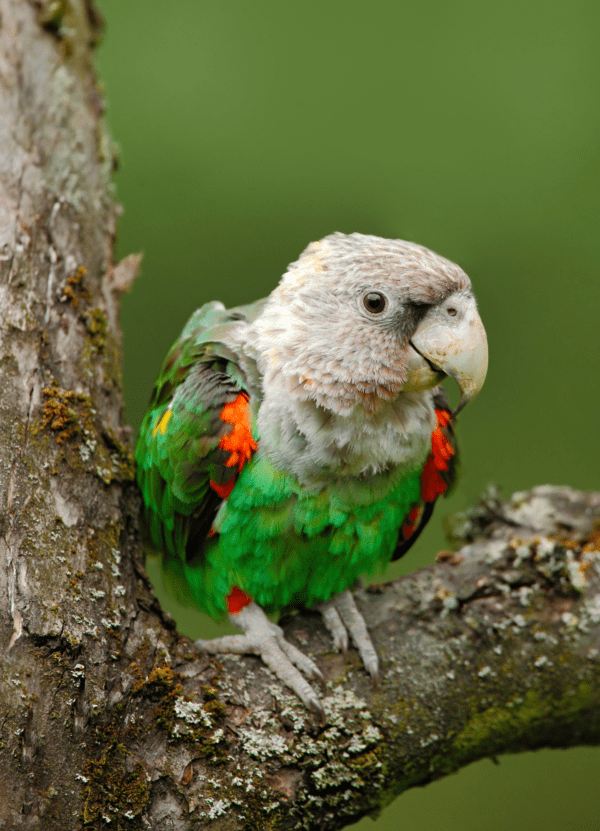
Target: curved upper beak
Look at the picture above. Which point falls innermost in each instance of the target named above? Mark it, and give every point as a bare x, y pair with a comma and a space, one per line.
450, 340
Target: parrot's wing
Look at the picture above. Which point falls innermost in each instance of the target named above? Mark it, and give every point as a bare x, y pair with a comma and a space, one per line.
196, 434
440, 474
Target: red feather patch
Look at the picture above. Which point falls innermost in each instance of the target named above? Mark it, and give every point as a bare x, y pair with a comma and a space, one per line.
223, 490
236, 600
410, 523
432, 483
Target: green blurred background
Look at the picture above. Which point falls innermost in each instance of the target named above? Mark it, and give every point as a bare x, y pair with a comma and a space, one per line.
249, 129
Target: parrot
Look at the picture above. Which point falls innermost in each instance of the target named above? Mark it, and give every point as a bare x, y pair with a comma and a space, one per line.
298, 444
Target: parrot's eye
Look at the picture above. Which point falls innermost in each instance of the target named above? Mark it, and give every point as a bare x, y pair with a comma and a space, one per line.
374, 302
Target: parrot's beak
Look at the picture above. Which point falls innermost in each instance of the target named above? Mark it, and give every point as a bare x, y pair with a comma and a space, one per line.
450, 340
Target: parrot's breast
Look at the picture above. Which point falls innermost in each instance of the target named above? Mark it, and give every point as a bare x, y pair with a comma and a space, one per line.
285, 545
320, 447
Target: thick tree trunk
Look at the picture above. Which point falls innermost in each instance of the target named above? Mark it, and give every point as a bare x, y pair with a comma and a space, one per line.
109, 718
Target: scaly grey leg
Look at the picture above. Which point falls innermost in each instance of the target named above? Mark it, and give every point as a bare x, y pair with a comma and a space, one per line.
263, 638
341, 614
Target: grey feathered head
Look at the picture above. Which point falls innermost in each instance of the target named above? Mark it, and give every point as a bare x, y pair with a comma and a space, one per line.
339, 324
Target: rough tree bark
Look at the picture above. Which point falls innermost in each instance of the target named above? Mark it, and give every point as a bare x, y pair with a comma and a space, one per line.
108, 717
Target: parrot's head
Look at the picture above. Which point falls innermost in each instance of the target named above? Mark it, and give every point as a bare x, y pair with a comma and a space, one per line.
361, 319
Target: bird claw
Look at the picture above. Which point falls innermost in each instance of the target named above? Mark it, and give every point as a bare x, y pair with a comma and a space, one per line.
263, 638
333, 622
341, 617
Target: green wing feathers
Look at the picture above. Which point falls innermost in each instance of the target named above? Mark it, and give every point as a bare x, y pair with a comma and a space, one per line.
181, 466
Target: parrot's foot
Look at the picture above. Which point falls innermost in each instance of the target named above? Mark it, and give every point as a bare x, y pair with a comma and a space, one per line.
263, 638
342, 618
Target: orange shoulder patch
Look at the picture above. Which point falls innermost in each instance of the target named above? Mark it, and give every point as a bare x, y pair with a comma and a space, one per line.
239, 442
432, 483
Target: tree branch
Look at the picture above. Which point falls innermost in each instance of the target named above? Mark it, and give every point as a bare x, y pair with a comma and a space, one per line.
108, 717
